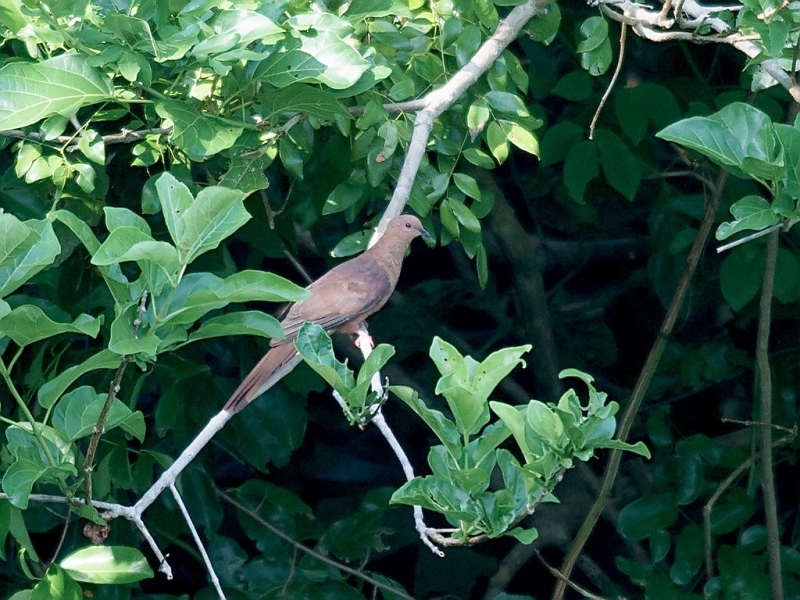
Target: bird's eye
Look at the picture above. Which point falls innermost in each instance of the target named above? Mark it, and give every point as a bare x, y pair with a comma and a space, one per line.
408, 225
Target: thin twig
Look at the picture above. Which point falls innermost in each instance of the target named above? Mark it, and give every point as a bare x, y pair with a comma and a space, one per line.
725, 484
320, 557
643, 383
198, 542
558, 575
623, 34
765, 429
441, 98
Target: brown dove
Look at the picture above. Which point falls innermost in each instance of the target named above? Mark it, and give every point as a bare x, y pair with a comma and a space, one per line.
340, 301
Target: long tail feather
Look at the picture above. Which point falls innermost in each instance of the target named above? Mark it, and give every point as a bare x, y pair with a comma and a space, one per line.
269, 370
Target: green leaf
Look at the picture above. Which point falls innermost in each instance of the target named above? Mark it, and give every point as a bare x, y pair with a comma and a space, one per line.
131, 244
558, 140
443, 427
732, 512
27, 324
246, 173
496, 367
198, 135
60, 85
497, 141
787, 277
468, 185
77, 413
642, 517
575, 86
464, 215
56, 583
200, 224
521, 137
740, 275
739, 138
620, 166
751, 212
52, 390
315, 346
594, 31
688, 555
249, 322
580, 167
515, 421
505, 102
25, 249
199, 293
107, 565
323, 58
524, 536
310, 101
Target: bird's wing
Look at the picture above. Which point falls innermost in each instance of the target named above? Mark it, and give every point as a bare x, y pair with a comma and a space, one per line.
347, 293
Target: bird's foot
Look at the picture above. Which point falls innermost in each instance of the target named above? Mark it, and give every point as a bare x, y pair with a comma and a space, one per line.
363, 337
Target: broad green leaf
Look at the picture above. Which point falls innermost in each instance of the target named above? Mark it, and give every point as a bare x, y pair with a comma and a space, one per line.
323, 58
52, 390
648, 514
310, 101
315, 346
22, 475
464, 215
197, 134
249, 25
77, 413
580, 167
735, 509
740, 275
637, 106
107, 565
505, 102
543, 27
479, 158
497, 141
125, 340
558, 140
467, 184
520, 137
514, 419
597, 61
56, 583
346, 194
739, 138
199, 293
249, 322
443, 427
544, 422
131, 244
620, 166
787, 277
751, 212
594, 31
11, 16
688, 555
25, 249
60, 85
247, 173
213, 216
638, 448
575, 86
27, 324
496, 367
478, 115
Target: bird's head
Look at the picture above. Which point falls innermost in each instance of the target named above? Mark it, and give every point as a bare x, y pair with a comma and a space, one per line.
406, 227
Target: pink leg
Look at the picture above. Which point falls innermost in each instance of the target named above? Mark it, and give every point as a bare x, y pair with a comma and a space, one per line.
363, 337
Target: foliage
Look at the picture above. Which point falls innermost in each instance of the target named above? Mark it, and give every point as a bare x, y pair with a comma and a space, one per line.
159, 160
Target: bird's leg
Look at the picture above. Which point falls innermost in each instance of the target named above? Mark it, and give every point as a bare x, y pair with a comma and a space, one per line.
363, 337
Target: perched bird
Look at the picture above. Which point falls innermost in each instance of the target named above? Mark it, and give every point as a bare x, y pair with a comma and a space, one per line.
340, 301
